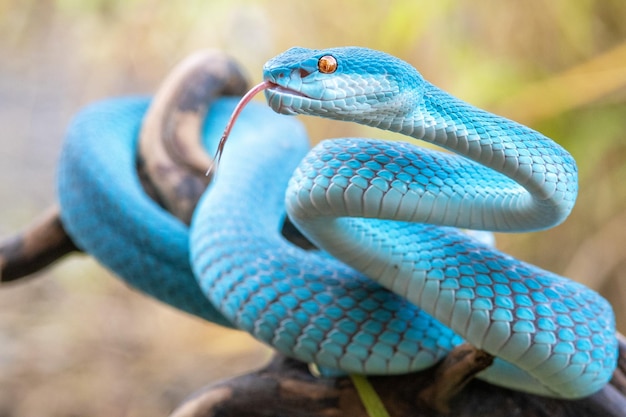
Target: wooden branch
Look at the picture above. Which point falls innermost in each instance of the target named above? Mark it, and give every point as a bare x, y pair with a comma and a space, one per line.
286, 387
456, 370
41, 243
171, 157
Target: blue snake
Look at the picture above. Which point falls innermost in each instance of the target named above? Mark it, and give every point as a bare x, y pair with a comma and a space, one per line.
104, 208
384, 214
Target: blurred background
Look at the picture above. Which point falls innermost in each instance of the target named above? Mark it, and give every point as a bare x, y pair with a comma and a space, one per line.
75, 341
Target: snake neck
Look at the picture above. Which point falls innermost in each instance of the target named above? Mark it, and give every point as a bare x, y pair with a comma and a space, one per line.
546, 170
375, 89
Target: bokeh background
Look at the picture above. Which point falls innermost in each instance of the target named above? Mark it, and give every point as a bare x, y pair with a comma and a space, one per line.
74, 341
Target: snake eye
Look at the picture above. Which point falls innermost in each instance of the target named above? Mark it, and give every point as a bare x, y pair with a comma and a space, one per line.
327, 64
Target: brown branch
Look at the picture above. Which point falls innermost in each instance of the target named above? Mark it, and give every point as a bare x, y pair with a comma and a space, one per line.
456, 370
286, 387
40, 244
172, 159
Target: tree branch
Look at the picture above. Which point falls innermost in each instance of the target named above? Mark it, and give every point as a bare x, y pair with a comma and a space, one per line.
286, 388
41, 243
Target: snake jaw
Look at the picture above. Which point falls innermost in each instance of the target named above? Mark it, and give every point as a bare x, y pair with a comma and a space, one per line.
284, 100
277, 88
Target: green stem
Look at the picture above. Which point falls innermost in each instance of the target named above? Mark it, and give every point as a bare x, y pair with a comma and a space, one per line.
370, 399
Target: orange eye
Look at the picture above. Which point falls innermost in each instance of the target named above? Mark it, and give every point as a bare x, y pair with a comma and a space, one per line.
327, 64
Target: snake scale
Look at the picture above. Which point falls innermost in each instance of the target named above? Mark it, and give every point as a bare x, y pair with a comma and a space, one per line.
385, 215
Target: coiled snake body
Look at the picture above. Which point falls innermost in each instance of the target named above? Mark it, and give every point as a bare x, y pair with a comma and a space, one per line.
388, 212
104, 208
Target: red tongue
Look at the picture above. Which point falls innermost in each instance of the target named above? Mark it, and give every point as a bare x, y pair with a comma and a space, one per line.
233, 117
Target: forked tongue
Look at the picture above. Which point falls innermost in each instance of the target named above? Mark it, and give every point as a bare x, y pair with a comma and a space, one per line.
233, 117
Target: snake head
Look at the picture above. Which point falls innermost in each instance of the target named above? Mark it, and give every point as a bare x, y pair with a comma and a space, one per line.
348, 83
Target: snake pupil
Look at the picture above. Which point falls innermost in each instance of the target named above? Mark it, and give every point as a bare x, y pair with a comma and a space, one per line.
327, 64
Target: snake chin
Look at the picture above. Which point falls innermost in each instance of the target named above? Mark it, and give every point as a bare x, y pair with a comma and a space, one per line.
282, 99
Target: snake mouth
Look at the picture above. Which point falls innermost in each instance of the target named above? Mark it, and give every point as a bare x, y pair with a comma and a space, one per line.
276, 88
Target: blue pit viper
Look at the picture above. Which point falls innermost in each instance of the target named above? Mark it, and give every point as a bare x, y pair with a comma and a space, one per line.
385, 215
